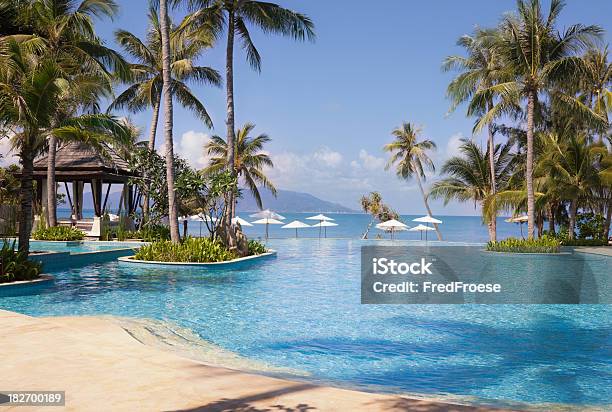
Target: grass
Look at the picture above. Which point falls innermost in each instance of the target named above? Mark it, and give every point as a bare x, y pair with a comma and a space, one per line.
545, 244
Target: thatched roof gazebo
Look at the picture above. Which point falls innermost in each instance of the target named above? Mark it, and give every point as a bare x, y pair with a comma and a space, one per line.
79, 164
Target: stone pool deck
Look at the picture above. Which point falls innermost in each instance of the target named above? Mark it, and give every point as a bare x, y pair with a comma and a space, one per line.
101, 367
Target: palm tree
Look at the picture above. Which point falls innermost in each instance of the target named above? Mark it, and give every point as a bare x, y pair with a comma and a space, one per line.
470, 178
65, 32
236, 15
164, 25
480, 69
146, 81
411, 158
572, 166
539, 57
249, 160
594, 86
373, 205
30, 88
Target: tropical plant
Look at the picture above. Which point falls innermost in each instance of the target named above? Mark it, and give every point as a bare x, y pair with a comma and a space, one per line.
151, 233
15, 266
594, 87
63, 32
545, 244
164, 27
256, 248
193, 250
57, 233
249, 159
410, 158
539, 57
146, 80
470, 179
214, 16
373, 205
480, 69
9, 185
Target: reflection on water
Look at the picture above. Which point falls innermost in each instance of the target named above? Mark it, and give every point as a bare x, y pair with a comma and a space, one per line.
302, 311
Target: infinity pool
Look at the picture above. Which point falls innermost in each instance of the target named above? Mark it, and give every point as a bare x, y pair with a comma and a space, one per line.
302, 311
78, 246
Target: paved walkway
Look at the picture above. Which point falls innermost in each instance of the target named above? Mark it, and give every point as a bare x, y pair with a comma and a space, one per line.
101, 367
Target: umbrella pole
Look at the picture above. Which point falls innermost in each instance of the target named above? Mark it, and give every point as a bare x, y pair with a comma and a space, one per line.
296, 233
320, 223
266, 231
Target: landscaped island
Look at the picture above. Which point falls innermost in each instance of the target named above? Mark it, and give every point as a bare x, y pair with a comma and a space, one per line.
193, 250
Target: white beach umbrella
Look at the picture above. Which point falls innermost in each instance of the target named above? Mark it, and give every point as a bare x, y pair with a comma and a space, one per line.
427, 219
242, 222
519, 219
422, 228
324, 224
392, 225
267, 221
267, 214
321, 218
113, 217
202, 218
296, 224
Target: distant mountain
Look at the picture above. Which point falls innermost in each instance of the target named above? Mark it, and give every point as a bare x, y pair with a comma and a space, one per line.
289, 201
286, 201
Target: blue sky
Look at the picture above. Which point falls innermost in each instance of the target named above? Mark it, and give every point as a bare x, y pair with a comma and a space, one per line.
329, 106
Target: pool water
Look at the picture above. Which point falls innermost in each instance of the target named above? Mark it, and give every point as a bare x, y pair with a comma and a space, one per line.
302, 311
78, 246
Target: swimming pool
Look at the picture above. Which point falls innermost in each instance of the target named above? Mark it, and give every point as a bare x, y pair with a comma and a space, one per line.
302, 311
79, 246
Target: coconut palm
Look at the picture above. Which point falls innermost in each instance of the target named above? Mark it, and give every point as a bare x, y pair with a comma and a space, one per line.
146, 80
249, 161
236, 16
572, 165
469, 179
539, 57
595, 81
480, 69
164, 25
410, 158
30, 88
65, 32
373, 205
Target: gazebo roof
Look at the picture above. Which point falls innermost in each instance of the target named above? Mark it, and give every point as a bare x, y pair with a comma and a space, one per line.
78, 161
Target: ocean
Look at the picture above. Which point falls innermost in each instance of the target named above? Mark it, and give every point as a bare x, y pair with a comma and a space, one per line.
453, 228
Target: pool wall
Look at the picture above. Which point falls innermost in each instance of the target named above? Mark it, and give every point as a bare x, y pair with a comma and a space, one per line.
53, 261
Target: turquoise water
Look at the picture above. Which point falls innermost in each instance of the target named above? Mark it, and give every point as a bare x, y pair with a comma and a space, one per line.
76, 247
302, 311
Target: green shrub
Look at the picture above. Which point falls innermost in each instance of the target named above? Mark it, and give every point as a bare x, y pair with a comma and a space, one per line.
15, 266
196, 250
584, 242
545, 244
256, 248
58, 233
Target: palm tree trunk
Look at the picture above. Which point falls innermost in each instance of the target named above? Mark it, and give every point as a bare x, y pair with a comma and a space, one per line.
418, 179
172, 204
572, 217
529, 167
152, 135
606, 229
491, 143
551, 219
154, 122
25, 194
51, 184
229, 79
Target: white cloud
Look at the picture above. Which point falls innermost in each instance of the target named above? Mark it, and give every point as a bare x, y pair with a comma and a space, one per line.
371, 162
452, 146
191, 148
328, 157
